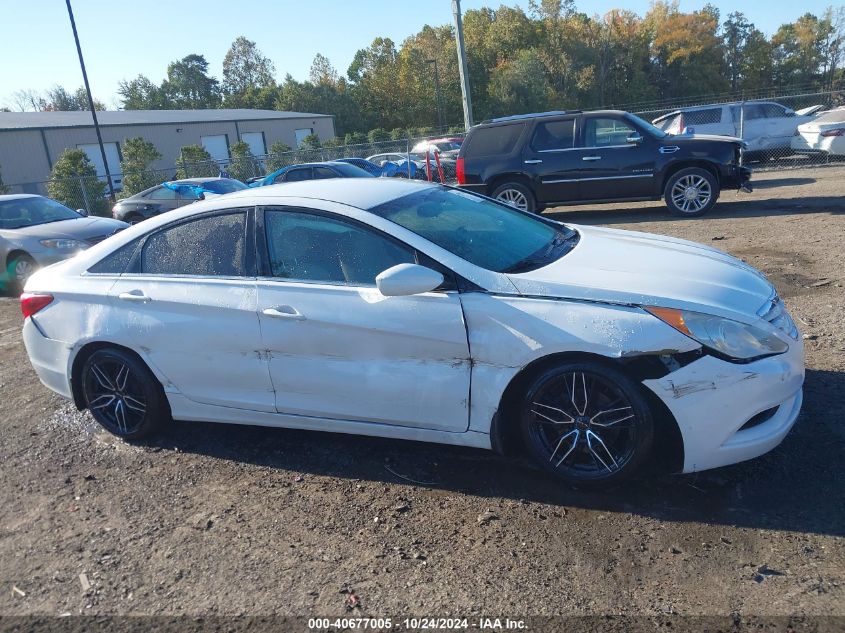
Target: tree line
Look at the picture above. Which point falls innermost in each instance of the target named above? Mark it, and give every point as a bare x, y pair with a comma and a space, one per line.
551, 56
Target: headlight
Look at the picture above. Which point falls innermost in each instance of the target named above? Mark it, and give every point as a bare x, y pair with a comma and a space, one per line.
64, 245
731, 338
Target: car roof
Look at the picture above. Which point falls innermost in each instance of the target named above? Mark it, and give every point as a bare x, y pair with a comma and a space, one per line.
18, 196
208, 179
362, 193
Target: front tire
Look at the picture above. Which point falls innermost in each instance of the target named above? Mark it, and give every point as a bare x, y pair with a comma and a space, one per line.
587, 423
516, 195
123, 395
691, 192
21, 268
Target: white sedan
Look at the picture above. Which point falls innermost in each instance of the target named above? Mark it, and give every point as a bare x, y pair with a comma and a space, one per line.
407, 310
824, 135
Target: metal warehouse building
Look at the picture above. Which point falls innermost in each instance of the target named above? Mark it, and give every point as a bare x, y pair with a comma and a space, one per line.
31, 142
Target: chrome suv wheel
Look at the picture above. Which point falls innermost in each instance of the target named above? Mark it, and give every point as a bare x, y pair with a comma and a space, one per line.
516, 195
691, 192
587, 423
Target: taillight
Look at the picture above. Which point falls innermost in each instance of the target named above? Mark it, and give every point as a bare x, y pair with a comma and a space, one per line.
839, 131
32, 303
681, 125
459, 171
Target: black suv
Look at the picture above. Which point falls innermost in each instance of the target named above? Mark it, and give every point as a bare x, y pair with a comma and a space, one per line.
534, 161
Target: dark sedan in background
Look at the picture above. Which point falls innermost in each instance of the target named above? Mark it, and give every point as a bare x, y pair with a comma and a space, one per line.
312, 171
161, 198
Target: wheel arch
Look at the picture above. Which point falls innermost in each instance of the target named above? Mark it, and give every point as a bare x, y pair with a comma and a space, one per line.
673, 169
83, 355
505, 437
10, 257
500, 179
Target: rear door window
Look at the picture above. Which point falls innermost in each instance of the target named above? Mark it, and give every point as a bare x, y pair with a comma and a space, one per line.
206, 246
490, 141
554, 135
295, 175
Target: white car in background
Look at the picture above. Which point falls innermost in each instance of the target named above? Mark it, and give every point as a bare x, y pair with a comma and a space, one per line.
402, 309
766, 126
823, 135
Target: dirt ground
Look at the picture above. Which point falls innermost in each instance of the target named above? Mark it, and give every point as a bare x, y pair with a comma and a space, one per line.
224, 520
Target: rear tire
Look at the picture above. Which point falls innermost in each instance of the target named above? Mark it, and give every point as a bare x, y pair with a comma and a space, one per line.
587, 423
691, 192
122, 394
516, 195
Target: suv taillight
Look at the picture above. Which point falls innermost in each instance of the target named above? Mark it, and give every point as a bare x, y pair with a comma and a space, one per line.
838, 131
32, 303
459, 171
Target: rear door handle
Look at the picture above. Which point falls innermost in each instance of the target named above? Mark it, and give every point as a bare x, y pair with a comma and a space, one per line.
136, 296
588, 158
283, 312
533, 161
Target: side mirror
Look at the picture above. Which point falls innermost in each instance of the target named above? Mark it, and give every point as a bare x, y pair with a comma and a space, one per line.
634, 139
82, 212
404, 280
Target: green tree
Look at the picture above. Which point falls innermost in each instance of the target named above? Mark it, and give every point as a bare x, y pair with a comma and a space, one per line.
735, 33
74, 183
278, 157
189, 86
312, 141
142, 94
246, 68
519, 86
136, 166
244, 165
355, 138
378, 135
322, 72
194, 161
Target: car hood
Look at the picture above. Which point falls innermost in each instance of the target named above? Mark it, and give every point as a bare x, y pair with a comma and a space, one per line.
644, 269
75, 229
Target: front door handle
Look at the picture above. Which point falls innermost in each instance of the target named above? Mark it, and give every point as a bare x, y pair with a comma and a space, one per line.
283, 312
136, 296
533, 161
588, 158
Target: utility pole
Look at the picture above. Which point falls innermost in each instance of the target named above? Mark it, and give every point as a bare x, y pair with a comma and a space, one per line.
437, 94
91, 101
462, 63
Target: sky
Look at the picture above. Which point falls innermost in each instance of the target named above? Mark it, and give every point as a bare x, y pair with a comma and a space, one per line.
121, 38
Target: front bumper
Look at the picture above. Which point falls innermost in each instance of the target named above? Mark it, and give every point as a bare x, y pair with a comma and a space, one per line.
712, 400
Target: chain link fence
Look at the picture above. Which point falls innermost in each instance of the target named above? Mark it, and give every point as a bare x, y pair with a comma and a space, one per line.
773, 128
781, 132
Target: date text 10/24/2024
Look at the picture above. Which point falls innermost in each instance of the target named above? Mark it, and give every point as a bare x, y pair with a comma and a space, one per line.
416, 624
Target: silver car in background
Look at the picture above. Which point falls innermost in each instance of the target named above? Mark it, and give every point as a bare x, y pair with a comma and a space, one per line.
36, 231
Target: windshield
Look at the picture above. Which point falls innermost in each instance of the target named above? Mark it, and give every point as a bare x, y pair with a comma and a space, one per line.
648, 127
479, 230
223, 186
21, 212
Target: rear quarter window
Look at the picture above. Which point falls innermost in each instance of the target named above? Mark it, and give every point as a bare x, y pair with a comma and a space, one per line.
489, 141
703, 117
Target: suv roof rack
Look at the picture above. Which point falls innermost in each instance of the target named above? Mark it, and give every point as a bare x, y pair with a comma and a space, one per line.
533, 115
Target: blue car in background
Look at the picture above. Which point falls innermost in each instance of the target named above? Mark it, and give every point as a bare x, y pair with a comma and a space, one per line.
312, 171
363, 163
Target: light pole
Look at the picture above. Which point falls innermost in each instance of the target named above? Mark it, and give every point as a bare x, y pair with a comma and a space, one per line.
437, 94
90, 101
462, 63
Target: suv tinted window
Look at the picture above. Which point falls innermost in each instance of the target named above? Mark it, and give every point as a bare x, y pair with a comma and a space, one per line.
603, 132
552, 135
703, 117
310, 247
211, 245
489, 141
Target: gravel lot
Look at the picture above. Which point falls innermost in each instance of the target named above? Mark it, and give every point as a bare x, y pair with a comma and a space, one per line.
223, 520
